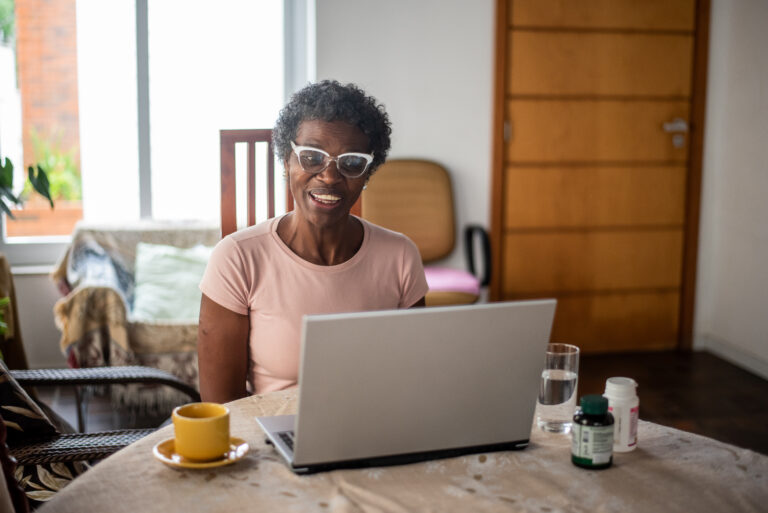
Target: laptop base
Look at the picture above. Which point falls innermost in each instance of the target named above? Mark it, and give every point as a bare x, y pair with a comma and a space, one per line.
406, 459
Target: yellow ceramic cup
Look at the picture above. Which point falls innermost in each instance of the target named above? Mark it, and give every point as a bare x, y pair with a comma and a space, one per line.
201, 431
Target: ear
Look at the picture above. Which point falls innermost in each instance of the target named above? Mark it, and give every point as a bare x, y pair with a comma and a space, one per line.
287, 168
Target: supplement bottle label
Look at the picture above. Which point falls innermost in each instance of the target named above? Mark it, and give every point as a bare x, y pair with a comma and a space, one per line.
592, 445
633, 416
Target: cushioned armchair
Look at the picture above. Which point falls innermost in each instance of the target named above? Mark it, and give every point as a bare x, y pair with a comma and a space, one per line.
110, 316
415, 197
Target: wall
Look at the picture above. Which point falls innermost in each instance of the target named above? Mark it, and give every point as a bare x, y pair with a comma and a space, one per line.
35, 295
431, 63
732, 289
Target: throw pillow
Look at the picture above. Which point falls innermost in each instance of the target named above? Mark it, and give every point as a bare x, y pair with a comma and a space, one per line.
167, 281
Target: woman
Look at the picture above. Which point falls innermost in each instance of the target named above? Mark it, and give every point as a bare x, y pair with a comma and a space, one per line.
318, 258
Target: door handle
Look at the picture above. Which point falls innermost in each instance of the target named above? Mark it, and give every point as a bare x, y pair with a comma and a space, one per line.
676, 125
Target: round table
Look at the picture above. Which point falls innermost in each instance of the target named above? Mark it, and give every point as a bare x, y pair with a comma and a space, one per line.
670, 471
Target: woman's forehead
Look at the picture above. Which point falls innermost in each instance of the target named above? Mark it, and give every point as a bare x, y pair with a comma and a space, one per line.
334, 133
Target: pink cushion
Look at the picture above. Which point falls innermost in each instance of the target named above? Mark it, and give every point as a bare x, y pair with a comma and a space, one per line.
445, 279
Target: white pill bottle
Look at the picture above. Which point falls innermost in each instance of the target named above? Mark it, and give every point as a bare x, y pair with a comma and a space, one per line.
624, 404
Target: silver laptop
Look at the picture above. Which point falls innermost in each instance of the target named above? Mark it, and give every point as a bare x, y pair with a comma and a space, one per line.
400, 386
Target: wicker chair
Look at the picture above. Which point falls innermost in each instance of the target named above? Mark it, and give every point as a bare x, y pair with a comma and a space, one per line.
12, 498
99, 376
68, 447
42, 444
62, 447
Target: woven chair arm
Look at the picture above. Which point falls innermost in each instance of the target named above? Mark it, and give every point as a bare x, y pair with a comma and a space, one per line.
102, 376
76, 447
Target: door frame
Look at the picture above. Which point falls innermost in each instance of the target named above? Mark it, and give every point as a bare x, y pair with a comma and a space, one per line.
698, 101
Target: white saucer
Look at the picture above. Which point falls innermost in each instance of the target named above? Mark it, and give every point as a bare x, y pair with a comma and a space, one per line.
165, 452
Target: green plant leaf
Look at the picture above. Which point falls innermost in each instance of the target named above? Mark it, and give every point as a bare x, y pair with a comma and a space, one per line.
7, 193
39, 181
61, 166
4, 207
6, 173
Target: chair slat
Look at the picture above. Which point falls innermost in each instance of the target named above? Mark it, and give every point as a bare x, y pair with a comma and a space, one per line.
251, 184
270, 180
228, 139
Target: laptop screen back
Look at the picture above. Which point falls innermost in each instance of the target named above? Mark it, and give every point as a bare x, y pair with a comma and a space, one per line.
405, 381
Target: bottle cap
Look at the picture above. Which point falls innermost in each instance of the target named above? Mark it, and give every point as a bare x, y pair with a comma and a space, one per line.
594, 404
620, 387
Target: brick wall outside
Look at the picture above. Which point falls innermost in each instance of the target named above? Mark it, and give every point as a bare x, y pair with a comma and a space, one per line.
46, 45
47, 66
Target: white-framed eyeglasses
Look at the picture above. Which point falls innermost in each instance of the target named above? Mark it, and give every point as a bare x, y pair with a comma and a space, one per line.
314, 161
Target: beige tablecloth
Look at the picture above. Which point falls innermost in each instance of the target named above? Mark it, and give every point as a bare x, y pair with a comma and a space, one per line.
670, 471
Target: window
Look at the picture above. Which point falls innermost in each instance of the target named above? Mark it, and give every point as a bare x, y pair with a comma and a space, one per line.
149, 108
236, 83
38, 112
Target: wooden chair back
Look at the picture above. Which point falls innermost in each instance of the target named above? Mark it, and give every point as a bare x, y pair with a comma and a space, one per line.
228, 139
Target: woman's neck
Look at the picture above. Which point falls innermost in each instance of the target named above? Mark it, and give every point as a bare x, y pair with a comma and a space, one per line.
326, 245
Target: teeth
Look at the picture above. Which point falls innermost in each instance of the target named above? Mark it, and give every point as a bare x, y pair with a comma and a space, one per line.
326, 198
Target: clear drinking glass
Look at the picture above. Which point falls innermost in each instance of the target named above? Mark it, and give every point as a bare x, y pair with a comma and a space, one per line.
557, 393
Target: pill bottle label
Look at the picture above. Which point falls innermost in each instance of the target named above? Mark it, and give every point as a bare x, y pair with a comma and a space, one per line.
625, 429
633, 416
592, 445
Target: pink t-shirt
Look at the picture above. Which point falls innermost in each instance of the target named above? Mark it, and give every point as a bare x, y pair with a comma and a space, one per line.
253, 272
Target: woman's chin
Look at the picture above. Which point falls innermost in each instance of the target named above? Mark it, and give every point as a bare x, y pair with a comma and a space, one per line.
324, 215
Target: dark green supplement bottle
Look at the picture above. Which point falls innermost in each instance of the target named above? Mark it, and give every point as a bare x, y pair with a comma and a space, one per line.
592, 433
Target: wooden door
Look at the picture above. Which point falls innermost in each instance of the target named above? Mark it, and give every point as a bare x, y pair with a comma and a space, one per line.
597, 165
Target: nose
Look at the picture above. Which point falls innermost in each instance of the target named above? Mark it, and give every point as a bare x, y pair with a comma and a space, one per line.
331, 173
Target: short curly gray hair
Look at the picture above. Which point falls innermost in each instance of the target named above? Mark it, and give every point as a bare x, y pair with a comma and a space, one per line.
329, 101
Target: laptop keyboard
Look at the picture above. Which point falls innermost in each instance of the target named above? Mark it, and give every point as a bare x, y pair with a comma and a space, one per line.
287, 438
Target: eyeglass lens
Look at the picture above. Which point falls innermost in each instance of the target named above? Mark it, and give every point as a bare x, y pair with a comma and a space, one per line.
349, 165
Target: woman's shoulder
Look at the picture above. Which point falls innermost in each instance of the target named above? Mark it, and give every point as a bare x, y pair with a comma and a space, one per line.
250, 238
384, 236
253, 239
253, 233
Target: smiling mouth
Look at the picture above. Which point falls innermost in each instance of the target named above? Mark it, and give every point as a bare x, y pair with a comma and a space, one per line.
325, 198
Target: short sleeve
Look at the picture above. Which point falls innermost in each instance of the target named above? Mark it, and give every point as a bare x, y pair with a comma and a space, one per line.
413, 281
226, 280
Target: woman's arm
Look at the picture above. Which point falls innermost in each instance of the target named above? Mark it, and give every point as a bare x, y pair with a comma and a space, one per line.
222, 352
420, 302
